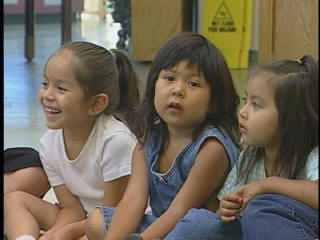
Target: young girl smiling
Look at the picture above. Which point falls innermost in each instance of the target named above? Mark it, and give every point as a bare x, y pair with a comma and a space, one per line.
87, 151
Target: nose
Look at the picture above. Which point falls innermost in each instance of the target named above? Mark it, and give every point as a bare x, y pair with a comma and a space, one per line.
47, 93
243, 112
178, 90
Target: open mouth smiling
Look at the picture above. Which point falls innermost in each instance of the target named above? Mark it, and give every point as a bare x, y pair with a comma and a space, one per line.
51, 111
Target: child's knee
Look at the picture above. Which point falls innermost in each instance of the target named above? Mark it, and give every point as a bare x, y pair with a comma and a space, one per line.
197, 218
32, 180
259, 209
196, 224
94, 225
14, 198
200, 214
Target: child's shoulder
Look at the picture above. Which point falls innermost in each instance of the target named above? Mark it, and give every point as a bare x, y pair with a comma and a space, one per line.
217, 132
313, 159
212, 130
108, 126
223, 138
311, 170
314, 154
50, 135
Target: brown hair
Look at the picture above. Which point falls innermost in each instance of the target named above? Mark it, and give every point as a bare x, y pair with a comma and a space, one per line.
101, 71
297, 99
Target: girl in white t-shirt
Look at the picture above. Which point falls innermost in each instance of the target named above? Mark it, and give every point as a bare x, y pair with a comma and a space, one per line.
87, 150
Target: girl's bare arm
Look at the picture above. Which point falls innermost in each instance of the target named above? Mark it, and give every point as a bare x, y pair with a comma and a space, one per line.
131, 208
305, 191
114, 190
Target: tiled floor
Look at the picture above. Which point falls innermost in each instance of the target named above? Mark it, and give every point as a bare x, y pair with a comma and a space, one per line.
23, 117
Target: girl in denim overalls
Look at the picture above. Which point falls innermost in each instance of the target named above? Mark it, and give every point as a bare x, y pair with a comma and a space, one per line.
187, 126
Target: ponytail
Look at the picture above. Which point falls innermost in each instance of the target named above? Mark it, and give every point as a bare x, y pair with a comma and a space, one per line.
99, 70
128, 88
312, 68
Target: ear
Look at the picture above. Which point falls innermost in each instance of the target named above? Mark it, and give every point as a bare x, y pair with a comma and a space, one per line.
98, 103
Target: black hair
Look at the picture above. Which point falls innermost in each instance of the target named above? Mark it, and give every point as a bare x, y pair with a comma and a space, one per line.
200, 52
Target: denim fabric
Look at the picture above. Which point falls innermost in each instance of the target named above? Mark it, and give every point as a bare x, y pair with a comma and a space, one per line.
272, 216
165, 186
107, 214
202, 224
198, 224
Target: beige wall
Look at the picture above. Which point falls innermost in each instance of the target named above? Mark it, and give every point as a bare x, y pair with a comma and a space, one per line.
282, 28
288, 29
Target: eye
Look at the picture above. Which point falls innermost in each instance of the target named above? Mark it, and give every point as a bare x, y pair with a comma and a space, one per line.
62, 89
168, 78
256, 105
193, 84
44, 84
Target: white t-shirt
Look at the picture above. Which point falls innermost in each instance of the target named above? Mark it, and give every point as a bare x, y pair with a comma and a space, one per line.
106, 156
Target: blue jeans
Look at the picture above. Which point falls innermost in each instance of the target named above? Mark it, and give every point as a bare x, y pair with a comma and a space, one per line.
197, 224
107, 213
202, 224
272, 216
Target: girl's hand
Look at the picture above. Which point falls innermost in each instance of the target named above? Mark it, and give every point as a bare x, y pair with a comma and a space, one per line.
230, 206
249, 191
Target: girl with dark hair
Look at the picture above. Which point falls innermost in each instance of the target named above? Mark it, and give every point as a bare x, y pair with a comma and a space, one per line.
272, 191
89, 95
187, 128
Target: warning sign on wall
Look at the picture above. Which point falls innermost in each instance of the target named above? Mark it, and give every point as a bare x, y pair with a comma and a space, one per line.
227, 23
222, 20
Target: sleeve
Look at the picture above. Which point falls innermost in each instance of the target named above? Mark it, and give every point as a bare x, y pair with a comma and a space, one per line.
51, 172
312, 165
231, 184
117, 155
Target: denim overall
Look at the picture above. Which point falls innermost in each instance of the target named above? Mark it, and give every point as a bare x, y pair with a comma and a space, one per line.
164, 187
267, 216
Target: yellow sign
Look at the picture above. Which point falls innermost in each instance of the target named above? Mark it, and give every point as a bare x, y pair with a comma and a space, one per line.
227, 23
